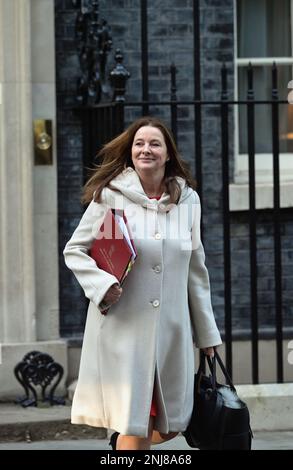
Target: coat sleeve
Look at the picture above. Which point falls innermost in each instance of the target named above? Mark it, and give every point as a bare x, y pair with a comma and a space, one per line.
203, 321
94, 281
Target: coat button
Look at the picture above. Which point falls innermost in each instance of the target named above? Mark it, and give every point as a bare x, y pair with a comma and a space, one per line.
158, 236
157, 269
156, 303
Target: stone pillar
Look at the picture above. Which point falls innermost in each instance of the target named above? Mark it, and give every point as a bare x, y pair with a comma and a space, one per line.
29, 307
45, 176
17, 295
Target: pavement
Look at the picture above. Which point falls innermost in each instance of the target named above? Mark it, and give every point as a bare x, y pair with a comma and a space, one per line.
49, 428
271, 440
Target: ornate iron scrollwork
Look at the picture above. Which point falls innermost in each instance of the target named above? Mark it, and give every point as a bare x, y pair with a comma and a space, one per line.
38, 369
94, 42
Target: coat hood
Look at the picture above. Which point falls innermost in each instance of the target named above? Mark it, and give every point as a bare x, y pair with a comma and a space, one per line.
129, 185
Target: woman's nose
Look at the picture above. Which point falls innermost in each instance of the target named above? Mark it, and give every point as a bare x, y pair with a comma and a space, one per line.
146, 148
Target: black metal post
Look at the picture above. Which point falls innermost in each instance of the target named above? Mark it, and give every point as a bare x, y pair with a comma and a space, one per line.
252, 222
173, 71
226, 219
120, 117
144, 55
86, 142
277, 231
197, 95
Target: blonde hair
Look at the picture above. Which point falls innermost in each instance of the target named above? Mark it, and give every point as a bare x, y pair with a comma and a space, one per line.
116, 156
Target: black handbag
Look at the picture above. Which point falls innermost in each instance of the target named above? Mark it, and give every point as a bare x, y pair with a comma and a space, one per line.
220, 419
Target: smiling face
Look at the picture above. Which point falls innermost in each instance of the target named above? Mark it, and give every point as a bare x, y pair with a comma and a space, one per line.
149, 150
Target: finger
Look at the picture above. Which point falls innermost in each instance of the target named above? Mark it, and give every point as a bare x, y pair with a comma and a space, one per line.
113, 297
116, 293
116, 298
211, 352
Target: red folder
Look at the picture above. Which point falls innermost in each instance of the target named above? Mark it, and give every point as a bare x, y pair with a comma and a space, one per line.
111, 250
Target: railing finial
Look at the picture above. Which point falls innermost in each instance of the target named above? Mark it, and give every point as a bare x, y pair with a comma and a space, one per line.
118, 78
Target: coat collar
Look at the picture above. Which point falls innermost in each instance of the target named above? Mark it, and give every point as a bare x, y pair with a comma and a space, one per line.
128, 184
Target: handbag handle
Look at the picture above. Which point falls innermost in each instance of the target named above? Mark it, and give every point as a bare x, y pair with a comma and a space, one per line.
212, 365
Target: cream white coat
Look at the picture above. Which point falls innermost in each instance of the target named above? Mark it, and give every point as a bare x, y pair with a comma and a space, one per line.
149, 334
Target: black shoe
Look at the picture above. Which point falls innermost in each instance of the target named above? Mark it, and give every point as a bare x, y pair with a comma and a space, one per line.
188, 438
113, 440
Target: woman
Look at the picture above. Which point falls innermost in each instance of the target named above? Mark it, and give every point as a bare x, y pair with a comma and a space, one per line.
137, 363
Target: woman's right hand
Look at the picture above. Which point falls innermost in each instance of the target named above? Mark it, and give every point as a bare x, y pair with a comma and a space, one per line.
112, 295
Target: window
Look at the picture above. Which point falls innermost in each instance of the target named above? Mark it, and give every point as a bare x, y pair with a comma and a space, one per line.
264, 35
